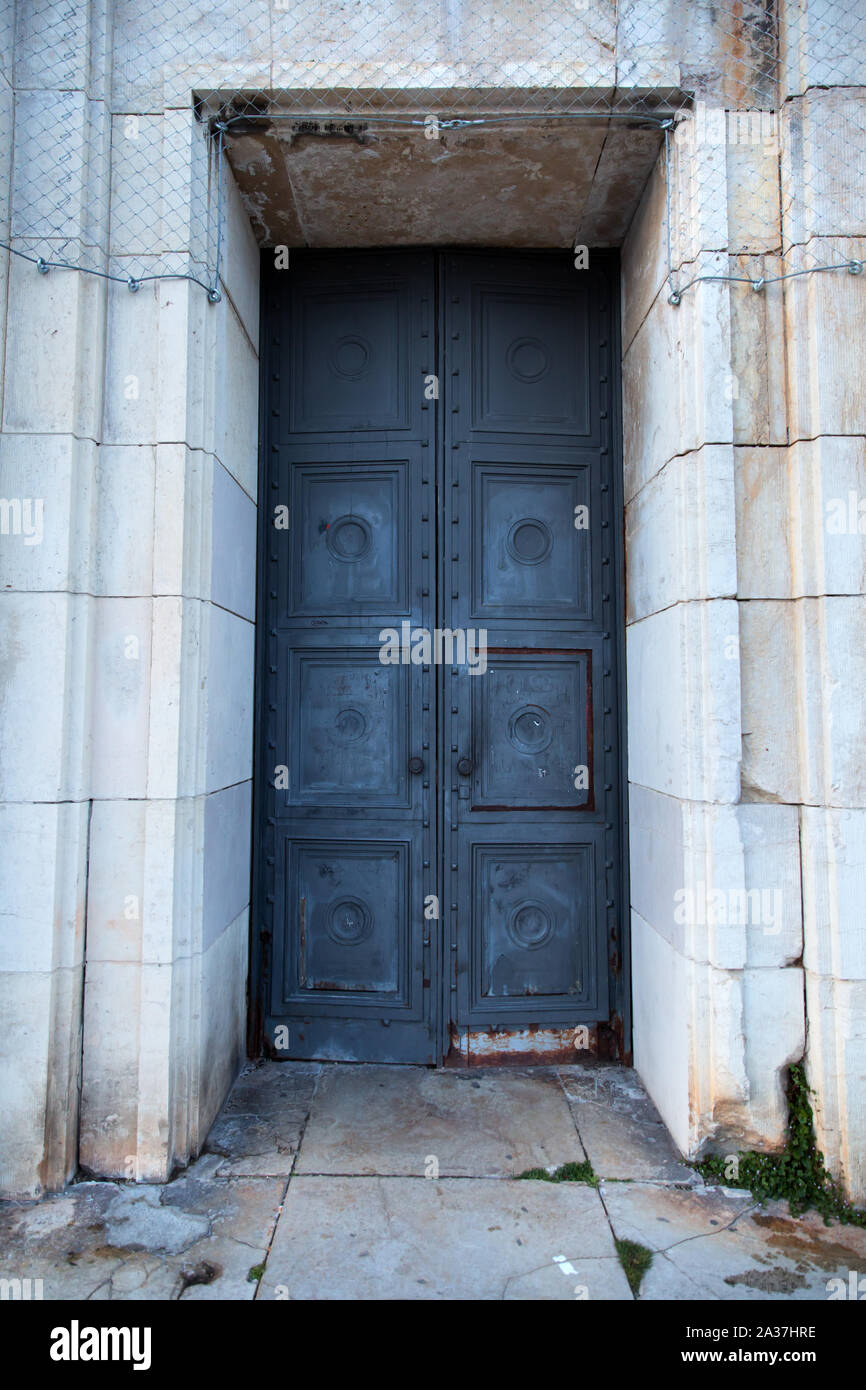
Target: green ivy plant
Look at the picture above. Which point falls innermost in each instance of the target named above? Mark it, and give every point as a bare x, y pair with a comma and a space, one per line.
797, 1174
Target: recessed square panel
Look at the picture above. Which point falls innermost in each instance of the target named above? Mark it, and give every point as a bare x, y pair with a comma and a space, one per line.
529, 559
350, 358
351, 905
530, 720
535, 923
348, 719
349, 536
531, 361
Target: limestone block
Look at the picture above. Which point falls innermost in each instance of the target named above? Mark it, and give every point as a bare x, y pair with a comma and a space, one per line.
222, 1039
680, 541
157, 364
689, 1042
662, 983
770, 695
823, 195
42, 885
822, 45
131, 389
834, 868
771, 860
757, 385
151, 193
824, 314
764, 523
125, 1070
671, 376
7, 110
173, 678
5, 258
140, 851
719, 884
48, 492
227, 839
54, 345
657, 861
120, 711
836, 1069
829, 636
7, 44
644, 255
239, 271
182, 525
60, 169
828, 479
775, 1033
698, 189
490, 45
233, 546
229, 693
684, 701
58, 49
236, 405
44, 654
752, 166
121, 562
712, 904
219, 47
39, 1056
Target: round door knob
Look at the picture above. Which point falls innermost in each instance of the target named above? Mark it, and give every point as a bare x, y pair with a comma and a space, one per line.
464, 766
416, 766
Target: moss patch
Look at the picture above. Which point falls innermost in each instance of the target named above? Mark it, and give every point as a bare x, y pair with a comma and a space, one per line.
568, 1172
635, 1260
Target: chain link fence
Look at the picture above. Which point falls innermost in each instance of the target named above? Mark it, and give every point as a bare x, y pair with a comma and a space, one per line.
122, 116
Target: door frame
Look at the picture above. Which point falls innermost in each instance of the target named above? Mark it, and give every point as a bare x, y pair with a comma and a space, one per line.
613, 1039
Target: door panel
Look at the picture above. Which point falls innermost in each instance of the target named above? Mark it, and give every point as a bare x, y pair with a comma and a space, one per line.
439, 847
531, 828
349, 834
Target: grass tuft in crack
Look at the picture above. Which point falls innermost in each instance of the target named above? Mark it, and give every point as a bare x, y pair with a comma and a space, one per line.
635, 1260
796, 1174
255, 1274
567, 1172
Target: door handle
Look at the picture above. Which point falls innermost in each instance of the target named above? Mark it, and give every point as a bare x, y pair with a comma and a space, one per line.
464, 766
416, 766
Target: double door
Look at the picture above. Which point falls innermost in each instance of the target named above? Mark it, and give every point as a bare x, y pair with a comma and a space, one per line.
438, 845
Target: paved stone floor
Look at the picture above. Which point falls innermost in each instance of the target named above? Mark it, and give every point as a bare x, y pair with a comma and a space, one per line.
365, 1182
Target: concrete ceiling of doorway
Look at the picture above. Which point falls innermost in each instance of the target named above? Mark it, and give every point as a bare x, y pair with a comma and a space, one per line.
547, 183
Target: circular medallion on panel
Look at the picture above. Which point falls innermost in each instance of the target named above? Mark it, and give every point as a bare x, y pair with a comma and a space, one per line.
349, 726
529, 541
530, 924
527, 359
350, 921
349, 538
530, 729
350, 357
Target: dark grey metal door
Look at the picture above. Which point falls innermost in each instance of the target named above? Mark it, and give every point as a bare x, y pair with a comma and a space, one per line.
438, 846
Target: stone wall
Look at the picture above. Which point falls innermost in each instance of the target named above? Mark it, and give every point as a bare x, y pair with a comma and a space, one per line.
127, 655
744, 430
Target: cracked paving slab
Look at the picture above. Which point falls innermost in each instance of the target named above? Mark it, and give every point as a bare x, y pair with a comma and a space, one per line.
258, 1130
196, 1237
622, 1132
456, 1238
716, 1243
388, 1121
